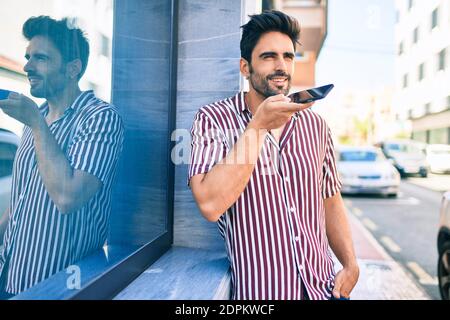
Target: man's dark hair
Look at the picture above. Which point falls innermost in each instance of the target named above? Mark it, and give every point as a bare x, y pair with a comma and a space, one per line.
267, 21
70, 41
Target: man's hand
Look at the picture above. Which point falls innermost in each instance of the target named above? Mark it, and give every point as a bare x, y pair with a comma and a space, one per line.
345, 281
22, 109
275, 111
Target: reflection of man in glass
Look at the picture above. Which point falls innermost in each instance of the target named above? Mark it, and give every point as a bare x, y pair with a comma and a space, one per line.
66, 162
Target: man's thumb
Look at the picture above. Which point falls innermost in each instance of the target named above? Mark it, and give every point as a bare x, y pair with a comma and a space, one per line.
337, 290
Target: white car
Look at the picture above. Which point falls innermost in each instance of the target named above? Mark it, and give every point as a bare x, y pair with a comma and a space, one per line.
408, 156
438, 157
8, 147
366, 170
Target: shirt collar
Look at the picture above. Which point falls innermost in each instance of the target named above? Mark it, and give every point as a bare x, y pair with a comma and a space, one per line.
240, 102
78, 102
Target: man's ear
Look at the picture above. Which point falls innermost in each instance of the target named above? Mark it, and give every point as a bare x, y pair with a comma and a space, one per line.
245, 68
73, 68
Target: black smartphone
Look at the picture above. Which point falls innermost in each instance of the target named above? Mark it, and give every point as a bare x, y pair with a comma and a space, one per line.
4, 94
311, 95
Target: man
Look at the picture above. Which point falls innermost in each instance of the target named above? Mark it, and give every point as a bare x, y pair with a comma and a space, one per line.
280, 208
65, 164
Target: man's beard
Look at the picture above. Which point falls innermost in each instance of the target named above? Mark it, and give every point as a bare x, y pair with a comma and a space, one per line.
44, 89
262, 86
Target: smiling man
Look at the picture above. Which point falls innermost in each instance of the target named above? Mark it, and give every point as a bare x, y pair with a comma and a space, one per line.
263, 167
65, 164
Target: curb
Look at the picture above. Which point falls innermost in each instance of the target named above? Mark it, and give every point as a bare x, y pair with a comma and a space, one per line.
382, 251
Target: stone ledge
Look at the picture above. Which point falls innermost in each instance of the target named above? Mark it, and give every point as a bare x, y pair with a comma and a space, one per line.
183, 274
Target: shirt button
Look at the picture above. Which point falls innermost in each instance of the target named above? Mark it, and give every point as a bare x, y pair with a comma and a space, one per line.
292, 209
286, 179
297, 238
300, 268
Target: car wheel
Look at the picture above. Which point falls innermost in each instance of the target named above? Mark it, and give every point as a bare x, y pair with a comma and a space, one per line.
444, 271
392, 195
423, 173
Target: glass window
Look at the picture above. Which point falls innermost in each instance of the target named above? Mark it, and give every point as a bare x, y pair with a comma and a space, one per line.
105, 45
37, 49
421, 73
405, 81
7, 152
8, 148
420, 136
404, 147
442, 55
129, 222
410, 114
361, 156
416, 35
435, 18
438, 136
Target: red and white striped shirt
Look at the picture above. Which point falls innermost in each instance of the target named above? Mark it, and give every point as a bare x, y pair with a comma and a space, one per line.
275, 232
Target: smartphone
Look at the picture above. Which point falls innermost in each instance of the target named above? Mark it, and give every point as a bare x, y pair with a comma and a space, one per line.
4, 94
311, 95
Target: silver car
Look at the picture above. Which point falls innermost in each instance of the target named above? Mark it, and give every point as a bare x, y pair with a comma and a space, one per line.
366, 170
8, 147
408, 156
444, 248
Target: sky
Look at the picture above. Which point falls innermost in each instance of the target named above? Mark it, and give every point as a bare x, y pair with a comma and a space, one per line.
359, 51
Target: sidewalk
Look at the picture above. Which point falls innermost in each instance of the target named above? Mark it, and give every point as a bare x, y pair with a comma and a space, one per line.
381, 278
436, 182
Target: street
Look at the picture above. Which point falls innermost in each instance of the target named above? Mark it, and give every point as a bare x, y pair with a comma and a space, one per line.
406, 226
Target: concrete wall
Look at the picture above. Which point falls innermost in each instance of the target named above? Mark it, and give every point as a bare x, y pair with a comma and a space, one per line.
208, 70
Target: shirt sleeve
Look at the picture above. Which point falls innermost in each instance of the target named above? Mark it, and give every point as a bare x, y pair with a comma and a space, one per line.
331, 182
97, 145
208, 145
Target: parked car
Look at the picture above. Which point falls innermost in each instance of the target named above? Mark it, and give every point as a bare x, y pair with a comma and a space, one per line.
8, 147
444, 248
366, 170
408, 156
438, 157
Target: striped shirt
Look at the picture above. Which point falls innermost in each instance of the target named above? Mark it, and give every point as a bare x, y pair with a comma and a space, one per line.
40, 241
274, 233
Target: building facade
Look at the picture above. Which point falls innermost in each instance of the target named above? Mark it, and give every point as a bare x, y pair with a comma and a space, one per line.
312, 15
422, 96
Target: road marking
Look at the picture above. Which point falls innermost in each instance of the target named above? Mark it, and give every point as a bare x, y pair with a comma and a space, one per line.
390, 244
357, 212
370, 224
410, 201
413, 201
424, 277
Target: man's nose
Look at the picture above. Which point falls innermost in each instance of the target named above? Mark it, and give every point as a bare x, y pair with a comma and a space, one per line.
281, 65
28, 66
